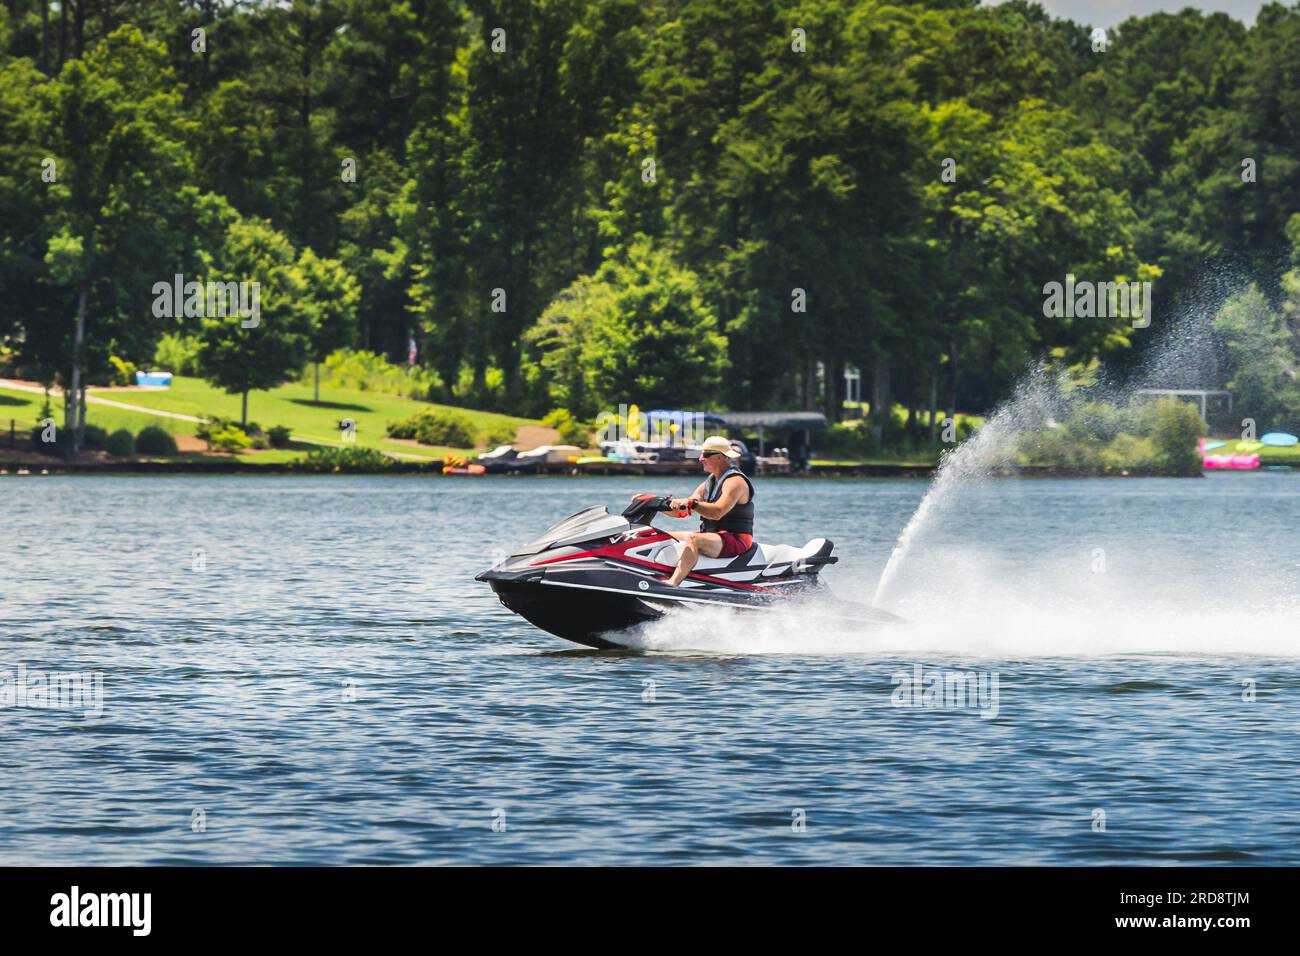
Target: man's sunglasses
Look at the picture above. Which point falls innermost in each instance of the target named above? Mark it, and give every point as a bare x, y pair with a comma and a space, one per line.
710, 454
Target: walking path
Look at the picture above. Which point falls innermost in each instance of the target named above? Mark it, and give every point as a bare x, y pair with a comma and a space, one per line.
92, 398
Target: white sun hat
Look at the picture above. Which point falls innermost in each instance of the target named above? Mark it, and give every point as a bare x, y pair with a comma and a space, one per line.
718, 443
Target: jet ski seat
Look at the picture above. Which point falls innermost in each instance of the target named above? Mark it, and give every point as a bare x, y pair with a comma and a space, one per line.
770, 554
816, 551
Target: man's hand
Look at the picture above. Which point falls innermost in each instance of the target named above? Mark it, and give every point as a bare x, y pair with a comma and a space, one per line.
680, 504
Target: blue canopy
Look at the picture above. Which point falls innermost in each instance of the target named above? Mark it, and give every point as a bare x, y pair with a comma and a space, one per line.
736, 419
679, 417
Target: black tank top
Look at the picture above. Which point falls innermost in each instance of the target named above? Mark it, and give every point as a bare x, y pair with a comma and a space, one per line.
740, 519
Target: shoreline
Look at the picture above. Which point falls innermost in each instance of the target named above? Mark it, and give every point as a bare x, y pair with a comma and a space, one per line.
22, 468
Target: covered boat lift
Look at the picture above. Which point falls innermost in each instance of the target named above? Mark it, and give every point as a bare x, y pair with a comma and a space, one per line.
761, 421
660, 419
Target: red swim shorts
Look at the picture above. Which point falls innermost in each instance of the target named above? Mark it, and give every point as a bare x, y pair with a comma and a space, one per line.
734, 544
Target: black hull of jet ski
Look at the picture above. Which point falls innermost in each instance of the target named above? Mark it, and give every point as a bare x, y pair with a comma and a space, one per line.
592, 607
558, 613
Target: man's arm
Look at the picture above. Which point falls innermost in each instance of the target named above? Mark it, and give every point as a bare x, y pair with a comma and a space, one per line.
730, 497
697, 494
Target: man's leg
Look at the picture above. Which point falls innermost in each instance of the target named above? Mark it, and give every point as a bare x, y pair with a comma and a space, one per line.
694, 544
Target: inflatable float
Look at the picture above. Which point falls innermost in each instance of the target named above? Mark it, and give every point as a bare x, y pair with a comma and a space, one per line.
455, 465
1231, 462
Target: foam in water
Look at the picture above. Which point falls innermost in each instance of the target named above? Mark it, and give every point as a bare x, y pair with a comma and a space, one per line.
723, 631
982, 611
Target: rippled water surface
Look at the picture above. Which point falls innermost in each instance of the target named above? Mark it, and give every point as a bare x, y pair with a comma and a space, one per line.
303, 670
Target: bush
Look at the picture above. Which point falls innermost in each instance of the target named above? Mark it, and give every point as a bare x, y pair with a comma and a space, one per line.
572, 431
231, 438
94, 437
214, 424
500, 434
577, 433
211, 425
556, 418
369, 372
1129, 453
446, 428
406, 429
350, 458
279, 436
153, 440
59, 446
121, 442
1096, 420
845, 440
1174, 427
1155, 437
436, 427
178, 354
123, 371
1057, 448
256, 437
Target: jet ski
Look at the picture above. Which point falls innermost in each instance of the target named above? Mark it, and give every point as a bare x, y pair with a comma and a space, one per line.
594, 575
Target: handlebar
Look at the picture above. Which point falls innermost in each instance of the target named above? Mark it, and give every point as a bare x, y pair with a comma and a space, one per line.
645, 507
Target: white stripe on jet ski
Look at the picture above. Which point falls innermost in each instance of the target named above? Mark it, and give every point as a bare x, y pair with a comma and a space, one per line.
720, 573
643, 597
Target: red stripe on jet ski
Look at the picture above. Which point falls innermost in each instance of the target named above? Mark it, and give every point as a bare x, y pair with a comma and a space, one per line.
616, 551
610, 551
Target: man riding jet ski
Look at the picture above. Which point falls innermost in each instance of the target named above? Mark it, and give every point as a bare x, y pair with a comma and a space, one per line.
726, 510
594, 574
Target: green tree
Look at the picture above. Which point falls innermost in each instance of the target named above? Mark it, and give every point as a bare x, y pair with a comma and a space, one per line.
239, 353
639, 330
26, 202
1262, 360
114, 126
374, 252
330, 301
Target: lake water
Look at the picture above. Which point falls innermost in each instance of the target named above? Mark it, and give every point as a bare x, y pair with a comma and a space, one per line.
303, 670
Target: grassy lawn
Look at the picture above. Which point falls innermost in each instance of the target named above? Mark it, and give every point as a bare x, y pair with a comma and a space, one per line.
290, 405
26, 409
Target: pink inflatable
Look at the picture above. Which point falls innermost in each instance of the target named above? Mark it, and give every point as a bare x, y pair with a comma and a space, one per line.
1232, 462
